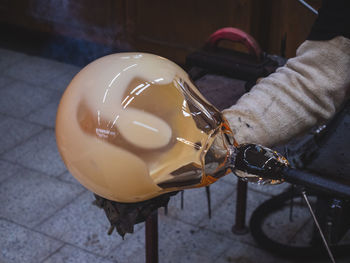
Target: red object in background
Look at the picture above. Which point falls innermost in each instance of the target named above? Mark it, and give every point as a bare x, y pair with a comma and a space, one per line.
235, 35
216, 59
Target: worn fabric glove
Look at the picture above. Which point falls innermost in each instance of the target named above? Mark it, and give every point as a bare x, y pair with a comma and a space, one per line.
308, 90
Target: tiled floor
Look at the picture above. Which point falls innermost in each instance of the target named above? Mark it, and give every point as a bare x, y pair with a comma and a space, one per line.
46, 216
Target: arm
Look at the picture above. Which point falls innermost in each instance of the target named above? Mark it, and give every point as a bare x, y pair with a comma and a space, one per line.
307, 90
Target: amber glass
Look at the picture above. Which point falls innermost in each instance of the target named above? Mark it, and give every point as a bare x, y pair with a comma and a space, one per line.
131, 126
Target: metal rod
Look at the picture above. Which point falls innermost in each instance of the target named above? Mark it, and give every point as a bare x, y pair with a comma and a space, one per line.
318, 226
239, 228
304, 3
151, 237
182, 199
207, 190
316, 182
291, 205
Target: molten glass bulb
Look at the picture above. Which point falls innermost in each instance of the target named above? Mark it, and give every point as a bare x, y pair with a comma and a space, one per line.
132, 126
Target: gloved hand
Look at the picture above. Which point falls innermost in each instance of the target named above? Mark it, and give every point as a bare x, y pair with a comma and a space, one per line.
308, 90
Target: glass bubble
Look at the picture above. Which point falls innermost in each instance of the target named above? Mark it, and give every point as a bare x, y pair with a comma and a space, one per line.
132, 126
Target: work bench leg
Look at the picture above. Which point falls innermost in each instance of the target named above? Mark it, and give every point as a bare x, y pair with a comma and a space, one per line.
151, 233
239, 228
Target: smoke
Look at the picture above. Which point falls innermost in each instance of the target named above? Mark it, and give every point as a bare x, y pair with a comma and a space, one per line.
80, 33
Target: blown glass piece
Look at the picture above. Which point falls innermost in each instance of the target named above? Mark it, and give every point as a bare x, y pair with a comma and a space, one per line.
132, 126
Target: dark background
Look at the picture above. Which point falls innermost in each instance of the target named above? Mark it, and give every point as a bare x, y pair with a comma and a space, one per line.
78, 31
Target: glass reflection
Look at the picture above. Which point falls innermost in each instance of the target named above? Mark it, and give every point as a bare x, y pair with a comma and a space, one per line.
133, 126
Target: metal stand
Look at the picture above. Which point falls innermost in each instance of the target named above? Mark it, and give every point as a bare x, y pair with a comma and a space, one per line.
239, 228
151, 232
330, 254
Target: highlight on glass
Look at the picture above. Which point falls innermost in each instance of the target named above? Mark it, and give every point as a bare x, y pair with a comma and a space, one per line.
132, 126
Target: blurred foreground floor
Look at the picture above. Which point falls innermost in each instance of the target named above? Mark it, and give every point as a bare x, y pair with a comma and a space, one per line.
46, 216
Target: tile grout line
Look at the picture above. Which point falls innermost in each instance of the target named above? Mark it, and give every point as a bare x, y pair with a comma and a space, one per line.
56, 239
11, 80
52, 253
22, 142
59, 92
57, 177
36, 86
36, 110
6, 115
32, 169
240, 241
83, 191
28, 57
176, 219
172, 217
18, 61
141, 229
266, 193
43, 85
259, 192
68, 182
200, 227
208, 229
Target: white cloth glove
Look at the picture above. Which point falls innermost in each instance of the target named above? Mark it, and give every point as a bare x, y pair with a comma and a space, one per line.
308, 90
